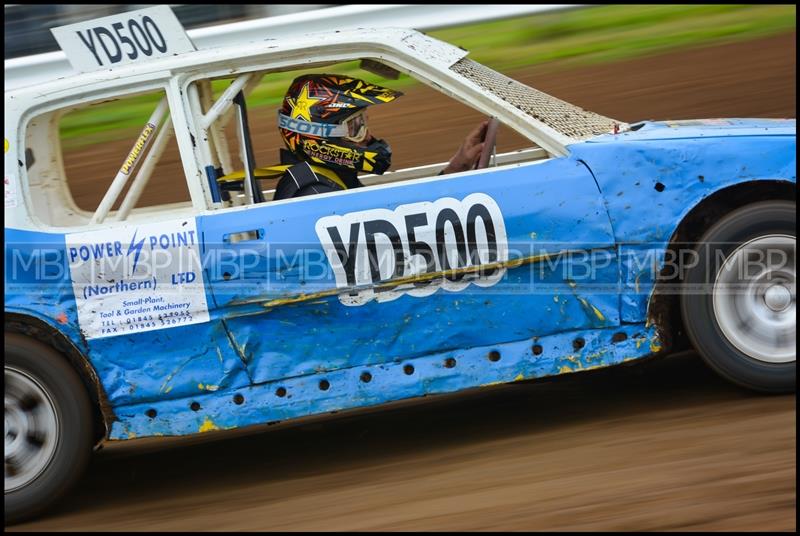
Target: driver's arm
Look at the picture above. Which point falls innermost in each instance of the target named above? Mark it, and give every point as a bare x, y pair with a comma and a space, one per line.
469, 152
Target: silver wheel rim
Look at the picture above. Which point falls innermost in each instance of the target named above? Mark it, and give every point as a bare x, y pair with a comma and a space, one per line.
31, 429
755, 299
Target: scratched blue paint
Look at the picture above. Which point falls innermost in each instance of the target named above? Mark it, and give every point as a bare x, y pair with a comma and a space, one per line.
37, 282
308, 336
600, 198
749, 150
692, 159
547, 207
640, 265
389, 381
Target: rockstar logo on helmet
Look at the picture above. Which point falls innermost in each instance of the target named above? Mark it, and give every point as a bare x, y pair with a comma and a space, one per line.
301, 106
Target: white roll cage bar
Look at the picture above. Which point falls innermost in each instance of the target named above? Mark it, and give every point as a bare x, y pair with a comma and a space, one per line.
213, 117
215, 153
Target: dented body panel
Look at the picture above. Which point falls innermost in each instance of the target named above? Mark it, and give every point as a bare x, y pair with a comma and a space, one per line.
287, 324
668, 169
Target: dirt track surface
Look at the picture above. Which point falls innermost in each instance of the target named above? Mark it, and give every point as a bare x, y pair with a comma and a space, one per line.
664, 444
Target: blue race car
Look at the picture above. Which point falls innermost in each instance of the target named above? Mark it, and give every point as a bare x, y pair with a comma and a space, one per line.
602, 243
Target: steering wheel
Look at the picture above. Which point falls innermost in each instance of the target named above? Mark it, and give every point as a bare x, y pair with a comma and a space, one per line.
489, 140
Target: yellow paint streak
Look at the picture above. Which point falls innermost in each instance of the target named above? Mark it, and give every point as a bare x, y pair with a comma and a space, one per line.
565, 369
207, 387
491, 383
300, 298
164, 388
519, 377
594, 309
595, 355
582, 368
655, 346
407, 280
208, 425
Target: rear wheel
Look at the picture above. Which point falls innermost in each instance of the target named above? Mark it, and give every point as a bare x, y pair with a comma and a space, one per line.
48, 427
739, 305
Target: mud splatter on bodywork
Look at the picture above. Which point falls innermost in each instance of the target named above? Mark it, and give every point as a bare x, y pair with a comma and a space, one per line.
438, 373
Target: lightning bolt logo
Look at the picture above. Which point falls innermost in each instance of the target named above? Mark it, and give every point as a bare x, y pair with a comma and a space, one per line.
135, 247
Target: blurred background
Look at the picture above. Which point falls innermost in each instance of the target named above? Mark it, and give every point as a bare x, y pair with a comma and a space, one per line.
27, 26
628, 62
662, 445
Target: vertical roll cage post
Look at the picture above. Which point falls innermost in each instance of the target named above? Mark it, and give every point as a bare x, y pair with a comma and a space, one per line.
219, 144
252, 192
214, 154
217, 151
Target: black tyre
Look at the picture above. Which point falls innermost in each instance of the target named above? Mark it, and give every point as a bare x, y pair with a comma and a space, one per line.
48, 427
739, 302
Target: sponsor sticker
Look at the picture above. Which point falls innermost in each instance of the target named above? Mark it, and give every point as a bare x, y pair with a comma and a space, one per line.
140, 278
427, 245
140, 144
328, 152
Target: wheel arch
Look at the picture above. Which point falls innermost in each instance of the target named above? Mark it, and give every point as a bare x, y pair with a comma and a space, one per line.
663, 307
40, 330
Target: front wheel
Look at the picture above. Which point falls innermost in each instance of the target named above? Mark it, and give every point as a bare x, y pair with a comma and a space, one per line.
48, 427
739, 301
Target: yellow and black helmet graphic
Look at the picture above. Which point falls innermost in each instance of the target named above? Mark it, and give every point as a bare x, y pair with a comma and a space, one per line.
319, 121
331, 98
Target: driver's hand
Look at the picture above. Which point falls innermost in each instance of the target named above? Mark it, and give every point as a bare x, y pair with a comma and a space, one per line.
469, 152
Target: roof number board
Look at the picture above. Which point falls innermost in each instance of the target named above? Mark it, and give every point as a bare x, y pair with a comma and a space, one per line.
123, 38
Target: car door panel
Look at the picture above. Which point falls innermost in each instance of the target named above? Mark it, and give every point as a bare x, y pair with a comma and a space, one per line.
291, 309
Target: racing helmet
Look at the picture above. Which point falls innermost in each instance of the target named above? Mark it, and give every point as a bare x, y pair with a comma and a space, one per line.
323, 121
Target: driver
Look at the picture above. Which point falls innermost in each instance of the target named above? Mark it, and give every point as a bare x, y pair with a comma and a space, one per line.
323, 122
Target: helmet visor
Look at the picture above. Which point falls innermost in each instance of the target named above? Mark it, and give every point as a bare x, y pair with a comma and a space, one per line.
356, 126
